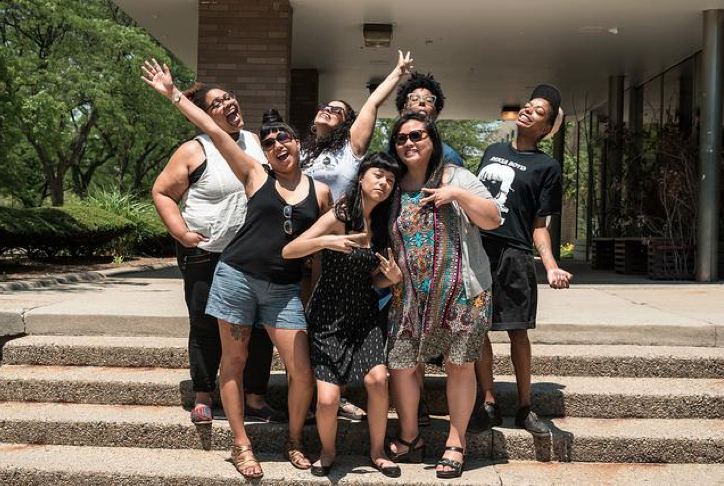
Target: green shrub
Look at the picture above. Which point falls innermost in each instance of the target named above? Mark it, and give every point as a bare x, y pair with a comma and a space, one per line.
148, 236
75, 230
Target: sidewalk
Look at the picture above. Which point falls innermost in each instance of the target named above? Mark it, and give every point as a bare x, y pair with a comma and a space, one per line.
593, 311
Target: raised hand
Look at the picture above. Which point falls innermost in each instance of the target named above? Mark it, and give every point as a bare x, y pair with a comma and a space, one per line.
389, 267
559, 278
440, 196
158, 78
345, 243
404, 63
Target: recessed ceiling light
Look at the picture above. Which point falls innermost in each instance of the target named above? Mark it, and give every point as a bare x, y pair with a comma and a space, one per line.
613, 30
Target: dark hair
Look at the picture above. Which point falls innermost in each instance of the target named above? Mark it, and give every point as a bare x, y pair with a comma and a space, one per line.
197, 94
271, 122
333, 141
417, 81
433, 176
348, 208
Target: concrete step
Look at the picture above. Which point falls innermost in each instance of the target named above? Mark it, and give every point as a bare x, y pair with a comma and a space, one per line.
555, 396
572, 439
23, 465
575, 360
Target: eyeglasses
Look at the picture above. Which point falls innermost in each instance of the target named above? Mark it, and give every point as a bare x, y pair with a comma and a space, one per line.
219, 102
334, 110
288, 211
414, 136
282, 137
416, 98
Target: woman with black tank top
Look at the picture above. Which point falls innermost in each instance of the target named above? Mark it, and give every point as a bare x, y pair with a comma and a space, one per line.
253, 283
214, 204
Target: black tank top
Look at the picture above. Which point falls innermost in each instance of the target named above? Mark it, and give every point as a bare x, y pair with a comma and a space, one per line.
256, 249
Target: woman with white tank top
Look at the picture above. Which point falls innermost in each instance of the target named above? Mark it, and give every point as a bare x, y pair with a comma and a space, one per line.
214, 207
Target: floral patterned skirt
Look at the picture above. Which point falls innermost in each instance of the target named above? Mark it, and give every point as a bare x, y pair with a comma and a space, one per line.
444, 322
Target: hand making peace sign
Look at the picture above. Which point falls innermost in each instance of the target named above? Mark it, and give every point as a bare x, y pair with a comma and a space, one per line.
389, 268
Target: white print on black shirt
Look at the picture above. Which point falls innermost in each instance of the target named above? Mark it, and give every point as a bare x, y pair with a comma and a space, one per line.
510, 163
498, 178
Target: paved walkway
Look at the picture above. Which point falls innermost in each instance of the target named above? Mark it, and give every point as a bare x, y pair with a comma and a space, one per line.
601, 308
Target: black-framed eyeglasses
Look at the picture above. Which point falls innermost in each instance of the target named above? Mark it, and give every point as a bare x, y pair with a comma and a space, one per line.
414, 136
282, 137
219, 102
334, 110
288, 210
416, 98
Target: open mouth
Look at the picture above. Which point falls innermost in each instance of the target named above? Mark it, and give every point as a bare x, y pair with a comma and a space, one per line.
411, 152
523, 118
232, 116
283, 155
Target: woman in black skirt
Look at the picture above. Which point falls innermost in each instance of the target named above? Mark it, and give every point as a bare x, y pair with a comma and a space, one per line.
346, 337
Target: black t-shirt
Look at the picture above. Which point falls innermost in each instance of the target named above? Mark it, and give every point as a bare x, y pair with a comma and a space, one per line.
526, 184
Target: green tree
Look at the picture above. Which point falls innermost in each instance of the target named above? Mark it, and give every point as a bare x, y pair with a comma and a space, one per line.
74, 92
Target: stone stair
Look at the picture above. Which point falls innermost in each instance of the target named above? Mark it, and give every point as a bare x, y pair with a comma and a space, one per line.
114, 410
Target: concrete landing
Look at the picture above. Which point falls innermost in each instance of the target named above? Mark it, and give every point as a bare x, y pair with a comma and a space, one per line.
151, 304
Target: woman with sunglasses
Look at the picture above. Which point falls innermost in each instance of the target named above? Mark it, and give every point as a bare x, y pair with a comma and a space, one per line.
252, 283
442, 304
347, 338
214, 204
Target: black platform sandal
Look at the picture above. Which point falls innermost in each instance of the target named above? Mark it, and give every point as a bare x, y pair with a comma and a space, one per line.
414, 454
389, 471
457, 466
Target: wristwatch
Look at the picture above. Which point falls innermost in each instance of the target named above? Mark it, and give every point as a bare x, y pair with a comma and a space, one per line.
176, 99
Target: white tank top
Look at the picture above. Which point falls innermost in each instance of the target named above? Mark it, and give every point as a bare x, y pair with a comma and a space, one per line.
336, 170
215, 205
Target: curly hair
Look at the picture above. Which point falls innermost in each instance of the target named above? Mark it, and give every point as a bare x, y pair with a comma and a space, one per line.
417, 81
348, 209
334, 141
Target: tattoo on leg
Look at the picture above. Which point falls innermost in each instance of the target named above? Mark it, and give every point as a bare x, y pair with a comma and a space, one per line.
239, 333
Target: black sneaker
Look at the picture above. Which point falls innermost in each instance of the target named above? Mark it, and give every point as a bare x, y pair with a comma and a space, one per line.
485, 417
266, 414
423, 414
525, 419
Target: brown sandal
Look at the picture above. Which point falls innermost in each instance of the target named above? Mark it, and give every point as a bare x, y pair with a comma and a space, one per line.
294, 451
240, 462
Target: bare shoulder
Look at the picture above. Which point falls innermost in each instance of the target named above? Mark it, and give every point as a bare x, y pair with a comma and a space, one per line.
190, 154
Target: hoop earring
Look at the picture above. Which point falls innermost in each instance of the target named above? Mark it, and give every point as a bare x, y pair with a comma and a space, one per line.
313, 129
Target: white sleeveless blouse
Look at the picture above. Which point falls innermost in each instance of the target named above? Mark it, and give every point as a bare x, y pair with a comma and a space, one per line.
215, 205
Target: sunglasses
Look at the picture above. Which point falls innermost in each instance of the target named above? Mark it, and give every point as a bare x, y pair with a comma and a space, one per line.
414, 136
282, 137
334, 110
416, 98
288, 211
218, 102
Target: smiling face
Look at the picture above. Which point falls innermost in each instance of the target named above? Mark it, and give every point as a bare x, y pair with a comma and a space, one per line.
224, 110
534, 118
283, 153
414, 154
331, 117
377, 183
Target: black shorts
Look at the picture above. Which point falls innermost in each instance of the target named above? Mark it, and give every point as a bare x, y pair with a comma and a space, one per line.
515, 290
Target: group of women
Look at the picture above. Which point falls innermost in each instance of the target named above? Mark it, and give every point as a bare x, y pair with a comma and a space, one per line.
256, 209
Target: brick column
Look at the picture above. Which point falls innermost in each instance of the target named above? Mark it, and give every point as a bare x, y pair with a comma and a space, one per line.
304, 99
245, 46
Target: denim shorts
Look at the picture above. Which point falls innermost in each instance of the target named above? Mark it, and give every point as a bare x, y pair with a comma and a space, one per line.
240, 299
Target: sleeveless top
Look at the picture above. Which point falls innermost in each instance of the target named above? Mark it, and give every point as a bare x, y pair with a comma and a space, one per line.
215, 204
336, 169
256, 249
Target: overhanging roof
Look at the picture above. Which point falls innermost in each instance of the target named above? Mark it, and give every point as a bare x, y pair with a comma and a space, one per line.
485, 53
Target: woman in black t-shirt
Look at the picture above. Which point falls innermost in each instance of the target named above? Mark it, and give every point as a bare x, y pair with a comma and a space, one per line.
526, 183
253, 284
